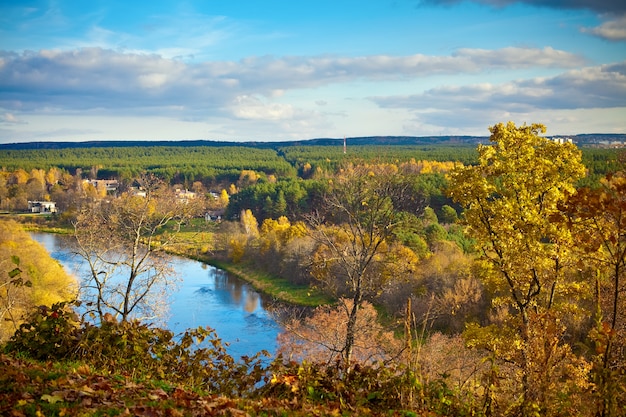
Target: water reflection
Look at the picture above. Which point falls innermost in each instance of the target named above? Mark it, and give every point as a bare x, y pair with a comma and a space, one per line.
206, 296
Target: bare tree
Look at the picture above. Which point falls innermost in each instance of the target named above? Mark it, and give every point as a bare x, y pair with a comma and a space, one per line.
360, 212
123, 242
320, 338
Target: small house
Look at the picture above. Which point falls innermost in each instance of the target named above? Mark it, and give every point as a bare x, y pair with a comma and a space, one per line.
42, 207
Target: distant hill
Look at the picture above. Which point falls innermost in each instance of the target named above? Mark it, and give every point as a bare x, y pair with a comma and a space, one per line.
599, 139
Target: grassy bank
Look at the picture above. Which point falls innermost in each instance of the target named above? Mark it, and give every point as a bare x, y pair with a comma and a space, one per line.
279, 288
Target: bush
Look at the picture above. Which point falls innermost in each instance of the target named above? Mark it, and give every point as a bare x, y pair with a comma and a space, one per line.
47, 333
197, 359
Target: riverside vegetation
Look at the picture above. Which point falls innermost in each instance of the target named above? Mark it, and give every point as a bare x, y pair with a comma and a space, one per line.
487, 283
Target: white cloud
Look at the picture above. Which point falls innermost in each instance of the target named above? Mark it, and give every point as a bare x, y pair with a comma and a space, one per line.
248, 107
590, 100
613, 29
592, 87
294, 97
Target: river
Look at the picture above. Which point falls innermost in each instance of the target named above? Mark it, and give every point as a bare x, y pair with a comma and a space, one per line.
207, 296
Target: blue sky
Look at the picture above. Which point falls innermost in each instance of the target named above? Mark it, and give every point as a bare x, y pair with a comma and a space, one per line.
287, 70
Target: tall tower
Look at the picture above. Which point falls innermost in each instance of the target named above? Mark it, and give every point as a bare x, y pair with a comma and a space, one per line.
344, 144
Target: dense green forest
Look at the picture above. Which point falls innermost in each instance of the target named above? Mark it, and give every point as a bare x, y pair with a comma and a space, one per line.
173, 163
210, 163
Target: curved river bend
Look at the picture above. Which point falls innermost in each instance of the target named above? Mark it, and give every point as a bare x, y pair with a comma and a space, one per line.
206, 296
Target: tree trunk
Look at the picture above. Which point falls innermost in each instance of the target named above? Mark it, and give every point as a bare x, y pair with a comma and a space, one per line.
351, 328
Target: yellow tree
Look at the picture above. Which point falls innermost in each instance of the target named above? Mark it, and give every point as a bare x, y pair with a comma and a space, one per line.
38, 181
29, 277
275, 234
53, 176
509, 198
240, 242
19, 177
224, 198
249, 224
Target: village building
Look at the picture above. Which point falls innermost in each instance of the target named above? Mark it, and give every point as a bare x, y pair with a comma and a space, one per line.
184, 195
42, 207
110, 186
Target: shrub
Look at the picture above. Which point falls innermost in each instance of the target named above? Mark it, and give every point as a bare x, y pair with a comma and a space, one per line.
47, 333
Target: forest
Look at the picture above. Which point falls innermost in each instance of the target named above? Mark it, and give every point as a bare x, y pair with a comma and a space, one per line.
417, 280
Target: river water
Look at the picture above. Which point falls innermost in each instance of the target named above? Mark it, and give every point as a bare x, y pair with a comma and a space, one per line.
206, 296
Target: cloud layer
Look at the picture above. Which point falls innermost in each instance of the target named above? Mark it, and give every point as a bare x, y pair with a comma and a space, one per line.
105, 79
592, 87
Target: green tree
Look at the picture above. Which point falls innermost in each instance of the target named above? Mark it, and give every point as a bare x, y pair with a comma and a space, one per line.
429, 217
509, 200
279, 207
435, 233
448, 214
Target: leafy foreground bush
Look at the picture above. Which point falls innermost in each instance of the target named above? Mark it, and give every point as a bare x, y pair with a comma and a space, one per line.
56, 366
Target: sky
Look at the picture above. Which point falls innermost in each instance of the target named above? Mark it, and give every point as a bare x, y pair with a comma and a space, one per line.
274, 70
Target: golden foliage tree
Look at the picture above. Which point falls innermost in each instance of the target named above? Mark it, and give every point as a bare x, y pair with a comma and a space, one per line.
249, 223
224, 198
276, 234
509, 200
29, 277
247, 178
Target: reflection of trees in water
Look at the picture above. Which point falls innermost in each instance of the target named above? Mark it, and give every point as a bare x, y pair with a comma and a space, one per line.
251, 302
237, 289
232, 286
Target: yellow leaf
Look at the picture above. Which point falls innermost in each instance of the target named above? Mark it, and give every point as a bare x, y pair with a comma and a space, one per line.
52, 399
86, 390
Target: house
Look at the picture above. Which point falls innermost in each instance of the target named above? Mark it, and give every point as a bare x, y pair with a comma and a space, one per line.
137, 192
184, 195
561, 140
110, 186
42, 207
